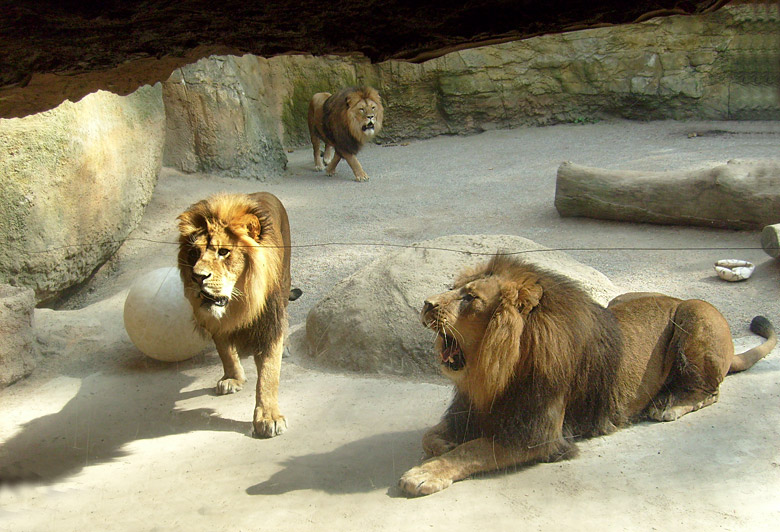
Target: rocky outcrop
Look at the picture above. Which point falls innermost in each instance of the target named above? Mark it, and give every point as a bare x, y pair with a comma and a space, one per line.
723, 65
17, 351
218, 120
75, 183
370, 321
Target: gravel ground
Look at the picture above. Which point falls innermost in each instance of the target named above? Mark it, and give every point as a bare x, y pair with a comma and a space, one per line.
108, 438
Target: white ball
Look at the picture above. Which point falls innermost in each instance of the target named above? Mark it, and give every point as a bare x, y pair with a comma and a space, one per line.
158, 318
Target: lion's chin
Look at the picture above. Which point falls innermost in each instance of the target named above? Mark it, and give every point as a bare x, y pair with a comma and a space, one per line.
213, 305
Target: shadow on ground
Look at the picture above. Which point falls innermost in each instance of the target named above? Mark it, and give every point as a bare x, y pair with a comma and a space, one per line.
108, 412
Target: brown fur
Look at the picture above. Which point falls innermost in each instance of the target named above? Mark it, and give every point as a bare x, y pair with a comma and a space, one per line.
234, 261
538, 364
341, 122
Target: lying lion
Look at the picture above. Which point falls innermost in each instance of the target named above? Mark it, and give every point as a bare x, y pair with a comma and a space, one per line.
344, 121
234, 261
537, 363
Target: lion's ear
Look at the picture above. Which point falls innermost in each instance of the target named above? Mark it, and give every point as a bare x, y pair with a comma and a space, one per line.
528, 297
191, 221
249, 224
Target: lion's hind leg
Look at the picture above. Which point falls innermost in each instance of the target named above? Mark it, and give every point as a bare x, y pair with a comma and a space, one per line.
331, 168
329, 151
702, 349
315, 143
671, 408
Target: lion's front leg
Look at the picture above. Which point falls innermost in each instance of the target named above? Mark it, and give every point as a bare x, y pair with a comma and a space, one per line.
475, 456
234, 378
360, 174
267, 420
438, 440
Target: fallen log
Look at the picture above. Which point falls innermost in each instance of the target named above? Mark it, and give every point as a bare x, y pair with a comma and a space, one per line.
735, 195
770, 240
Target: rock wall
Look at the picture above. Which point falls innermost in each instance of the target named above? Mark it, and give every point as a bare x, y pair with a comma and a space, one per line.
75, 183
721, 66
17, 349
218, 119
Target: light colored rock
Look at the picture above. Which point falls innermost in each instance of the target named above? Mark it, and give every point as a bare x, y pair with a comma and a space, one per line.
218, 120
17, 349
75, 183
370, 321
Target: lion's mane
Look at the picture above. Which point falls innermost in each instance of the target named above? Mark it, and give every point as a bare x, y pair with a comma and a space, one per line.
257, 233
569, 342
340, 125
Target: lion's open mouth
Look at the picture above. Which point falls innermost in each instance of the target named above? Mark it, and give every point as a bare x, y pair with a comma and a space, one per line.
451, 353
368, 126
217, 301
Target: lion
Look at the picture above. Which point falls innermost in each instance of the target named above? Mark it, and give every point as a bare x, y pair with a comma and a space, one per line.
537, 363
344, 121
234, 261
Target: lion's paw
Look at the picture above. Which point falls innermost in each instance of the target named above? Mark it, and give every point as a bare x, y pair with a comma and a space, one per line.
361, 177
269, 426
226, 386
319, 167
419, 481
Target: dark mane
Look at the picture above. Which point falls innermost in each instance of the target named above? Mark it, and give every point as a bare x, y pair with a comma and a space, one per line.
569, 351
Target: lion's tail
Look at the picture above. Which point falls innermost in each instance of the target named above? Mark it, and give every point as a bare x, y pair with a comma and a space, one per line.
762, 327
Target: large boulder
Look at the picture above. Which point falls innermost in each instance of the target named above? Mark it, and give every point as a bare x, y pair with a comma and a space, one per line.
17, 349
75, 183
370, 321
219, 119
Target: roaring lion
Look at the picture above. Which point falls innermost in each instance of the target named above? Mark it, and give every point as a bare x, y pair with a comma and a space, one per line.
344, 121
234, 261
537, 363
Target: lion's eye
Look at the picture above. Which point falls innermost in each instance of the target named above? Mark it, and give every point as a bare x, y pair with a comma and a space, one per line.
468, 298
223, 252
193, 255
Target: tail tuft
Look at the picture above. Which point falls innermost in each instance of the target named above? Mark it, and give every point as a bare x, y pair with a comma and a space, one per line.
761, 326
295, 293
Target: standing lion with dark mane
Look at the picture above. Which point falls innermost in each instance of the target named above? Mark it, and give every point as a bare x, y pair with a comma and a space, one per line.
234, 261
537, 363
345, 121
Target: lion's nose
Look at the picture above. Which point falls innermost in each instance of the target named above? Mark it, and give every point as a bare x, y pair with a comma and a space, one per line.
428, 306
200, 277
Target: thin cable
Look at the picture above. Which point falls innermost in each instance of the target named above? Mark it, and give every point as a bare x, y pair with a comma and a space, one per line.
404, 246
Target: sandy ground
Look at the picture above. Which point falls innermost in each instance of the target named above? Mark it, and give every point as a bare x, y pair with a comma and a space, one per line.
111, 440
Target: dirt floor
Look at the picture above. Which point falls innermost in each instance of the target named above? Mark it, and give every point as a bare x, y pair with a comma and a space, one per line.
103, 438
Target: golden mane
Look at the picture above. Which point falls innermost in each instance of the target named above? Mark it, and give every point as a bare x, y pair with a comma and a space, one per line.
253, 234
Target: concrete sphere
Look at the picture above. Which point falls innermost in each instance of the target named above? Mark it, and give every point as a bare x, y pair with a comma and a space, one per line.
158, 318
